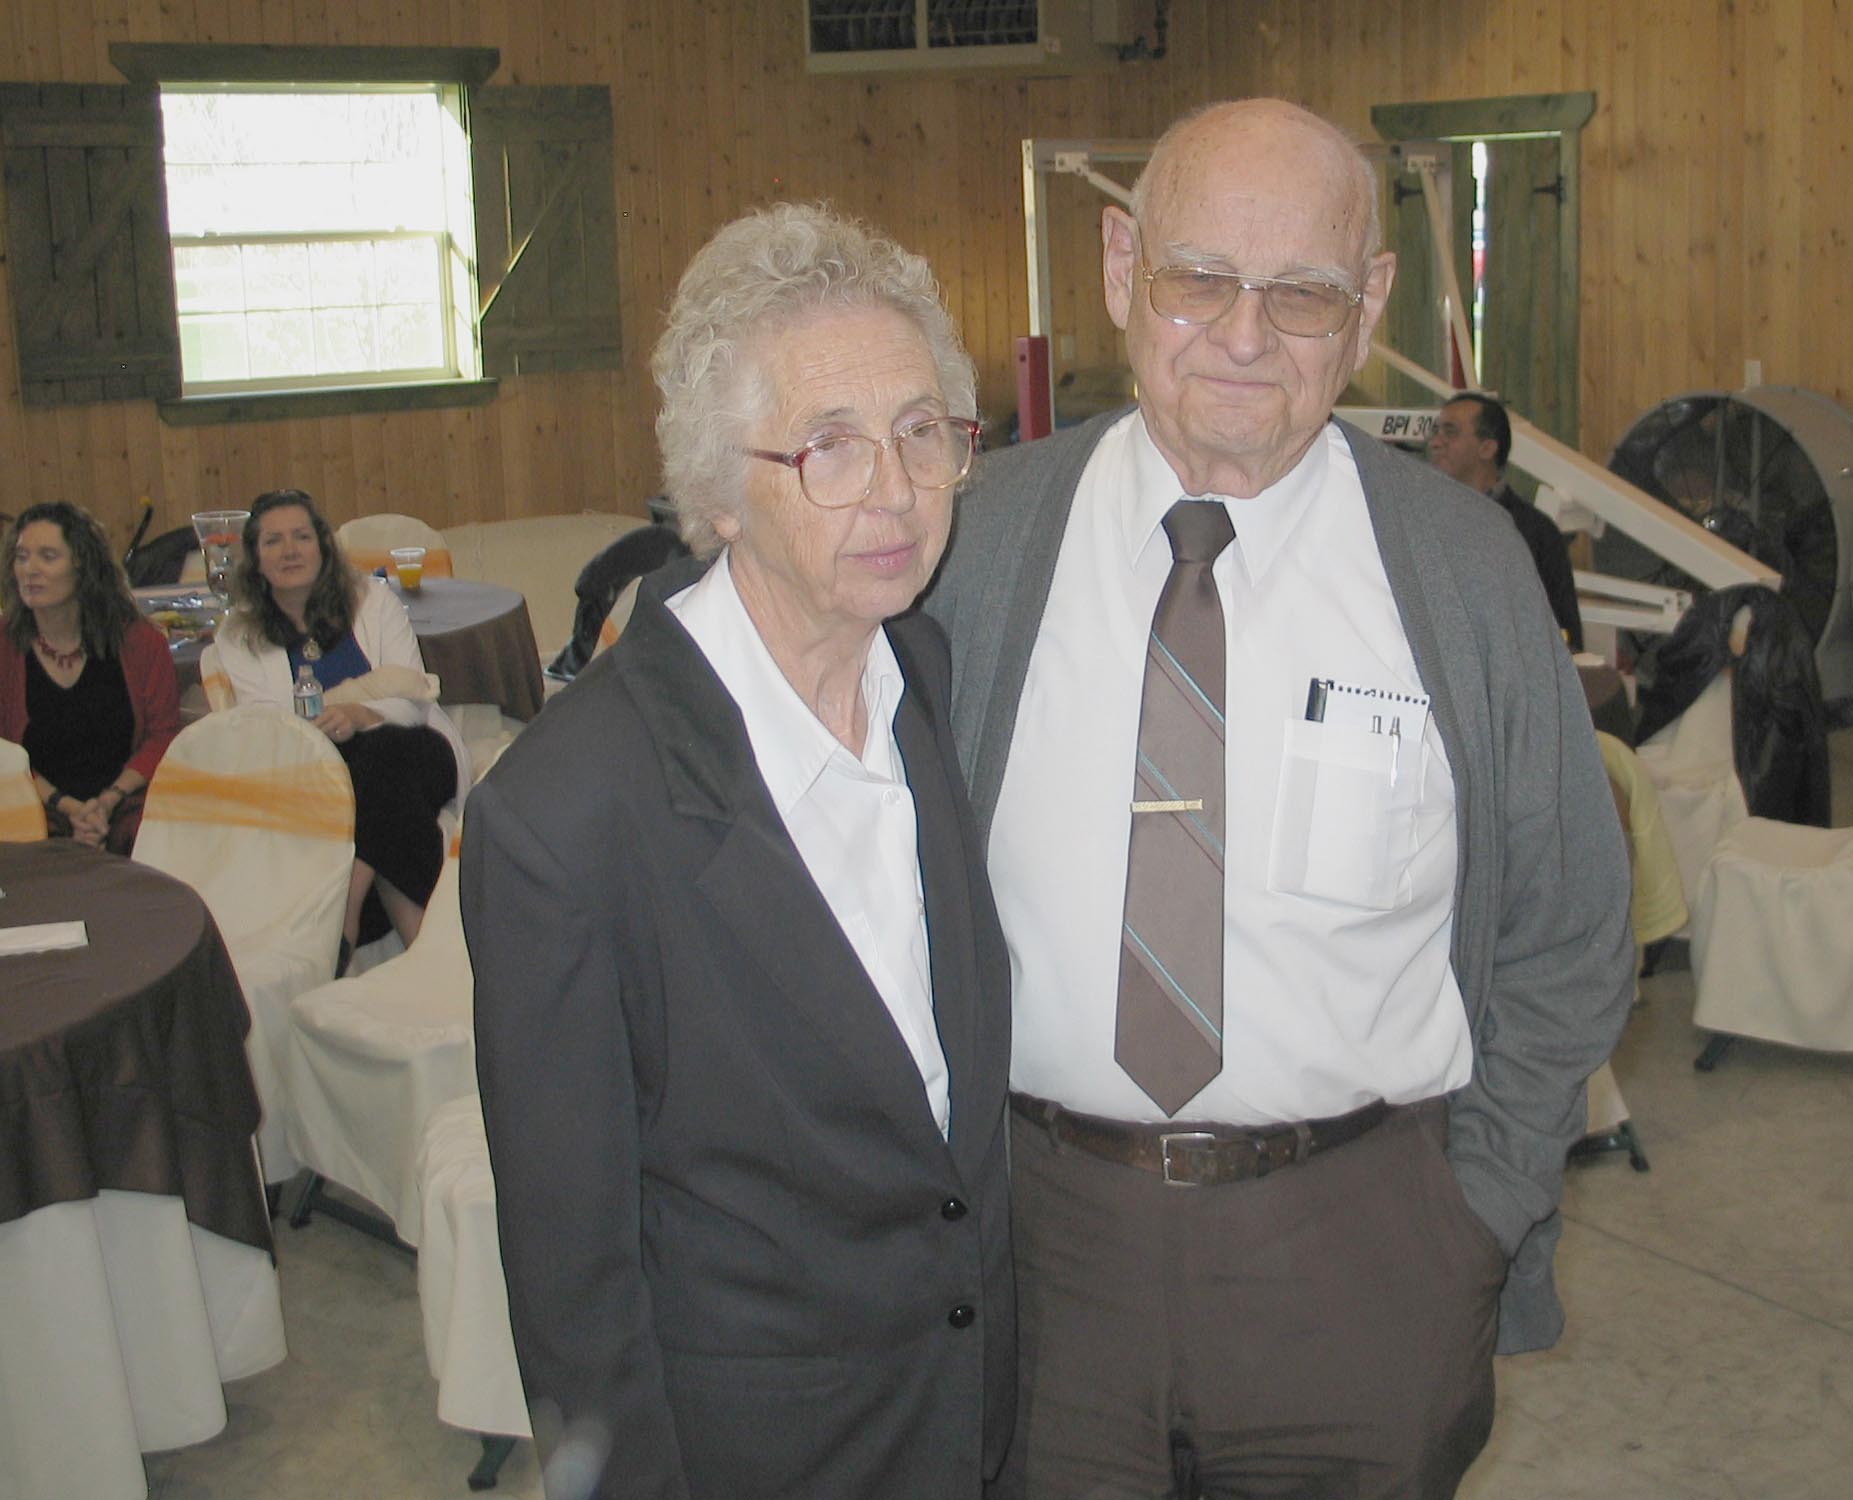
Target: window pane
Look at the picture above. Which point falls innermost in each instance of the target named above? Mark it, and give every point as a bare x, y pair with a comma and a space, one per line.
411, 337
343, 273
408, 270
213, 348
258, 163
276, 276
207, 278
344, 340
281, 344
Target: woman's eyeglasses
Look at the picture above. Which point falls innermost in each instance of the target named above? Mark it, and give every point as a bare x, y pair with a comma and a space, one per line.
839, 471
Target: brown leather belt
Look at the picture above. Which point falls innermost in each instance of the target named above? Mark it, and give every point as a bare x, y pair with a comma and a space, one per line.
1190, 1155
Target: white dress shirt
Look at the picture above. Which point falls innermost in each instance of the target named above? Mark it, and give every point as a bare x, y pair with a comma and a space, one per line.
852, 818
1329, 1002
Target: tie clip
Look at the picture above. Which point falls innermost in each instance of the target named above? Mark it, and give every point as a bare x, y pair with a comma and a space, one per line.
1195, 804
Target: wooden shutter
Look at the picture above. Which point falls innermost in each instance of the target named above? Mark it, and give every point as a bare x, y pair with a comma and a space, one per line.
89, 262
546, 228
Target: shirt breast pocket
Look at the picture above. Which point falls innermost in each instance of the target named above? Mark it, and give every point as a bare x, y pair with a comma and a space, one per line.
1344, 815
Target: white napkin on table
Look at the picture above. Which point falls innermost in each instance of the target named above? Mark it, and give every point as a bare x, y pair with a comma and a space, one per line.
43, 937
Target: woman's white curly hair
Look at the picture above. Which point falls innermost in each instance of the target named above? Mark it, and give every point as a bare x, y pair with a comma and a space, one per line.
764, 273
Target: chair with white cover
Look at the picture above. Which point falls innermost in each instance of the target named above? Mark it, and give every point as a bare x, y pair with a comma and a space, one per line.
1733, 724
372, 1056
254, 810
214, 681
485, 731
1693, 770
22, 815
468, 1344
1772, 943
368, 542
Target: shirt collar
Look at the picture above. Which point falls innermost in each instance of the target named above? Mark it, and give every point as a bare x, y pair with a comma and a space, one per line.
790, 743
1262, 524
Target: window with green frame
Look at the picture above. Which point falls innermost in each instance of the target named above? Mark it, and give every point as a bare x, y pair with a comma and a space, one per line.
321, 236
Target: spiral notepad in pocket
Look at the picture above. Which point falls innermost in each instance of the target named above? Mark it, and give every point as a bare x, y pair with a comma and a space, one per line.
1378, 710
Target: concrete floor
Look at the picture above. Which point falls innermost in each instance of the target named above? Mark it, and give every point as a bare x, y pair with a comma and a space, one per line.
1709, 1352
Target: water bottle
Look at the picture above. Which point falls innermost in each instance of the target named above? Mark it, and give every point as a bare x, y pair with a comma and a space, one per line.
307, 694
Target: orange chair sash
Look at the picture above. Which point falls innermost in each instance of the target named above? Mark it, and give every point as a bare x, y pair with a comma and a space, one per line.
21, 822
316, 801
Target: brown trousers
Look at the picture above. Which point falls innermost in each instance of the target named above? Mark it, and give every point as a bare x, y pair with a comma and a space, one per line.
1324, 1333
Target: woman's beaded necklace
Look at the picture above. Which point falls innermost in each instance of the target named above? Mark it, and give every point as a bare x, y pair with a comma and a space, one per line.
62, 660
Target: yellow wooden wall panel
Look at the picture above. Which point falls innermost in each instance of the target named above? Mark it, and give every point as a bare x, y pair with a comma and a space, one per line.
277, 27
1693, 224
1589, 58
1821, 175
1642, 105
1716, 225
211, 20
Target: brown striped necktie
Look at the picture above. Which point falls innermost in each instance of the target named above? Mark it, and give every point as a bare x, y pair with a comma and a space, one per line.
1168, 1032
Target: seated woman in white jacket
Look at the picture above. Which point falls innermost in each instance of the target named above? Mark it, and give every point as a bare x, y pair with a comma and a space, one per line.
297, 602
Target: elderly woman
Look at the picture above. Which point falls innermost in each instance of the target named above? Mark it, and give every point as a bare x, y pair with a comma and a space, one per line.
299, 607
741, 996
86, 684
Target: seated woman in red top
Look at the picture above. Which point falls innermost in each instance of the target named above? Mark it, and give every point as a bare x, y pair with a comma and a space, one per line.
86, 684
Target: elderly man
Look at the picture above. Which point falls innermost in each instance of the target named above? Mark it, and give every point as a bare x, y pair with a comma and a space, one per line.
1315, 897
1471, 442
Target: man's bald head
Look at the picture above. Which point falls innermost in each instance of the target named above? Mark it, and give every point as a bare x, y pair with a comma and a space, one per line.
1274, 124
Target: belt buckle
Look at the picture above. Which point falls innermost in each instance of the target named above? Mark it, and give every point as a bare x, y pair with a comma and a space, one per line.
1182, 1138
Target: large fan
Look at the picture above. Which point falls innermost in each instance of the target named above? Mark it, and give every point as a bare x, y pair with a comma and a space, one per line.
1770, 470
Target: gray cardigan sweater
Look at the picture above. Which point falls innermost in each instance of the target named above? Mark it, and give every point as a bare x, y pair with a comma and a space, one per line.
1542, 949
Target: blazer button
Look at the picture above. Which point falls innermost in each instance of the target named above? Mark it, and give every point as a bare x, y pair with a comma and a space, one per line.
952, 1210
962, 1316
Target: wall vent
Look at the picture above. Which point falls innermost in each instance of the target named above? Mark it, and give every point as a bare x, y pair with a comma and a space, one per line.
1045, 36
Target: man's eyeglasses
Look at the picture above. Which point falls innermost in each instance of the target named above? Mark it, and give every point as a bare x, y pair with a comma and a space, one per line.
839, 471
1195, 295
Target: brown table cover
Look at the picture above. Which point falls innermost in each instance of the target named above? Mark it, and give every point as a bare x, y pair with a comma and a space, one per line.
478, 639
122, 1064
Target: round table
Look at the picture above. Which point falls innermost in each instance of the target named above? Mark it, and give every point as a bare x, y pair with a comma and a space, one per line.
130, 1198
478, 639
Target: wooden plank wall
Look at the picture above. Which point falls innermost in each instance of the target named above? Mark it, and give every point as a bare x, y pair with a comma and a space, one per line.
1716, 216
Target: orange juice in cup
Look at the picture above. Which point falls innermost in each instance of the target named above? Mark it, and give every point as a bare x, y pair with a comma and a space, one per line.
409, 564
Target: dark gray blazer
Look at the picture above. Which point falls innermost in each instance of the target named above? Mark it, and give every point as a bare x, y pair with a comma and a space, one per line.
737, 1248
1542, 948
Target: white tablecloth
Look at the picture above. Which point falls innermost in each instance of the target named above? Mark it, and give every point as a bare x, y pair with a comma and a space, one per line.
119, 1321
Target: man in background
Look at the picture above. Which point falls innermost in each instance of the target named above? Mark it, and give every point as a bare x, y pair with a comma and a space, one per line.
1314, 893
1471, 442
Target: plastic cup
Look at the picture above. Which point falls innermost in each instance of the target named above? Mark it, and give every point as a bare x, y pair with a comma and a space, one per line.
409, 564
219, 533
